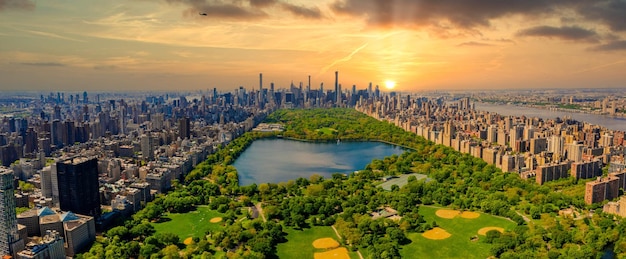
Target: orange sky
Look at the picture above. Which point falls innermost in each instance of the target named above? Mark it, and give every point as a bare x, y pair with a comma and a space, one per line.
420, 44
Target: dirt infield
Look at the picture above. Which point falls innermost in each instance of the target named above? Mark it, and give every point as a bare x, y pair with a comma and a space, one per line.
338, 253
469, 215
215, 220
450, 214
436, 234
325, 243
188, 241
447, 214
483, 231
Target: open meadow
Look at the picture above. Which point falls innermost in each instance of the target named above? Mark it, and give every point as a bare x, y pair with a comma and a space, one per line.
301, 243
456, 239
191, 224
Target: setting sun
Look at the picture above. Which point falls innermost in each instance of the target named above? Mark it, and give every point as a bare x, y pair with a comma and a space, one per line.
390, 84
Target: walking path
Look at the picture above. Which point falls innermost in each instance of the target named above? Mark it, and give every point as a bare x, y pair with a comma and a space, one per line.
259, 207
523, 216
338, 236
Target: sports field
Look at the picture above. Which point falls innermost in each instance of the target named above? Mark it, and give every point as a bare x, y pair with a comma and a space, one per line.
301, 244
191, 224
453, 238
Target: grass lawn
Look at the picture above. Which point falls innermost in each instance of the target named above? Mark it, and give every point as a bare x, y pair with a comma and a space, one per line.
459, 244
327, 131
192, 224
299, 243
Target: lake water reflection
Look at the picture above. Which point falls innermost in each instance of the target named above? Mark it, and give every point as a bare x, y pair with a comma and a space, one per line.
280, 160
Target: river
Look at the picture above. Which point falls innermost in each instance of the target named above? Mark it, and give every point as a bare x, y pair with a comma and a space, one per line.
607, 121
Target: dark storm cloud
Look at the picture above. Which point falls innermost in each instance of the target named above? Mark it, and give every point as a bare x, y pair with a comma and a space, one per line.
610, 12
464, 14
573, 33
302, 11
43, 64
16, 4
611, 46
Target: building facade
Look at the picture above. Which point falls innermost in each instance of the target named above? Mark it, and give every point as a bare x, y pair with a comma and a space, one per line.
10, 242
78, 186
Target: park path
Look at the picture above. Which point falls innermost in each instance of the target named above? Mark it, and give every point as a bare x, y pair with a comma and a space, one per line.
338, 236
523, 216
259, 207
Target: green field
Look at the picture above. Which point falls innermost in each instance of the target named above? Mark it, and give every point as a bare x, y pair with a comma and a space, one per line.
327, 131
299, 243
191, 224
459, 244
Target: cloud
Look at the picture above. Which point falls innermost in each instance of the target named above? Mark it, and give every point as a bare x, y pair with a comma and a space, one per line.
51, 35
609, 12
221, 9
262, 3
234, 11
344, 59
450, 15
572, 33
474, 44
105, 67
462, 14
611, 46
242, 9
43, 64
305, 12
16, 4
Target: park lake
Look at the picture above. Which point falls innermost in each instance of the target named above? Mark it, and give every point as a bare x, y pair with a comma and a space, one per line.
281, 160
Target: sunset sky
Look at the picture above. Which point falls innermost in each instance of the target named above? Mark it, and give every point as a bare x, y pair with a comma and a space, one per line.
62, 45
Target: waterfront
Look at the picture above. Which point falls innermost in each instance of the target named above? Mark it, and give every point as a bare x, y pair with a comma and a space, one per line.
607, 121
280, 160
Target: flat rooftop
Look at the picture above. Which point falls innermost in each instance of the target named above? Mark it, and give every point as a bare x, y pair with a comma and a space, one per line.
402, 180
76, 160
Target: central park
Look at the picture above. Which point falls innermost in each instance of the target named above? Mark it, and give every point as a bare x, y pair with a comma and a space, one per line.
448, 205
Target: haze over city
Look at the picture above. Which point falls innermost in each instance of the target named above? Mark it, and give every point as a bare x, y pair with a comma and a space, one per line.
419, 45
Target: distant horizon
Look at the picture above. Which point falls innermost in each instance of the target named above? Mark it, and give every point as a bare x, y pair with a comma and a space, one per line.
255, 88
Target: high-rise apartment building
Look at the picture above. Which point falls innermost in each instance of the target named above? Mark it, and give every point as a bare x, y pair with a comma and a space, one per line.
601, 189
184, 128
556, 145
78, 186
10, 242
147, 150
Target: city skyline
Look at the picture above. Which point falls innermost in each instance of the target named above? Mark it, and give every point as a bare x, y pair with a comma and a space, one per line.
419, 45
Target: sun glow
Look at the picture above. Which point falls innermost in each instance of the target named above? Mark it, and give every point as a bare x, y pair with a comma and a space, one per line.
390, 84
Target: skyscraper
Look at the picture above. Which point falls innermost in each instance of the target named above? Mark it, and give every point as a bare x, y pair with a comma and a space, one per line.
146, 147
183, 128
10, 242
337, 93
78, 186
